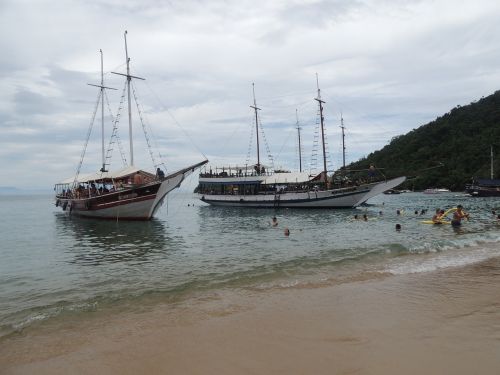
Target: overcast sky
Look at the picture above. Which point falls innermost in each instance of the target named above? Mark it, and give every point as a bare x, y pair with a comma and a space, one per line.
387, 66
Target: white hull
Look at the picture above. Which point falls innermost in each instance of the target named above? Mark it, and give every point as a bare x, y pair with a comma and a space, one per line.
335, 198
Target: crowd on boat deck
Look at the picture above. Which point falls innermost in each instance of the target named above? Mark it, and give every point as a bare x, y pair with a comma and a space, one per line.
237, 173
93, 189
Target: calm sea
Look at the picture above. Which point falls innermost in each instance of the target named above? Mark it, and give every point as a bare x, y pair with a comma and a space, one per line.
52, 265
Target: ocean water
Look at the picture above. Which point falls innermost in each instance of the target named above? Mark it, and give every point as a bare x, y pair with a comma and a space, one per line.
53, 266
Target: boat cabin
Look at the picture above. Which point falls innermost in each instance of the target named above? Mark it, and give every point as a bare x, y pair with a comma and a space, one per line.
252, 181
101, 183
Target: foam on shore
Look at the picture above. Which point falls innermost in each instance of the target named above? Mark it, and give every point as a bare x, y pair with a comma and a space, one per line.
446, 321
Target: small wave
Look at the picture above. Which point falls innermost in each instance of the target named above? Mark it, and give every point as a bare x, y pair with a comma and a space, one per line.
450, 259
21, 320
457, 242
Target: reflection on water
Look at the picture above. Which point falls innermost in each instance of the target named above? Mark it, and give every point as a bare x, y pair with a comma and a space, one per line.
94, 242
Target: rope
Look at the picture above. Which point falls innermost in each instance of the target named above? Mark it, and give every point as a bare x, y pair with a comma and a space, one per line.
89, 132
249, 152
114, 133
174, 119
139, 111
266, 144
153, 136
284, 143
313, 165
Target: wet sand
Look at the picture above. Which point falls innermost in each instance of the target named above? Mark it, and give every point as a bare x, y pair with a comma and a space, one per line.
442, 322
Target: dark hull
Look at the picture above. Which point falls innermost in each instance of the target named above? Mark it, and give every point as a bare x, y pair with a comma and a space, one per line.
481, 191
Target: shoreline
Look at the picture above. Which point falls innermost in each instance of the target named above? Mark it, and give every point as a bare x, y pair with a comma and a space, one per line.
444, 321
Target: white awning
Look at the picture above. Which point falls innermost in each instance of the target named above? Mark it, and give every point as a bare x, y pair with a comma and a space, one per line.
248, 167
88, 177
288, 178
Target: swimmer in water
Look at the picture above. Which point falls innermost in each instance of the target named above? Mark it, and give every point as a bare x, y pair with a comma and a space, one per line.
437, 216
274, 222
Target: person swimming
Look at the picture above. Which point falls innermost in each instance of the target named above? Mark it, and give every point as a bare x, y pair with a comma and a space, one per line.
274, 222
398, 227
286, 232
438, 216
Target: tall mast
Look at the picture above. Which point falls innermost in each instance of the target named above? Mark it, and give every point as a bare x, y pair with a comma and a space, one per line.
298, 133
102, 87
254, 106
129, 104
491, 164
102, 112
129, 79
318, 99
343, 139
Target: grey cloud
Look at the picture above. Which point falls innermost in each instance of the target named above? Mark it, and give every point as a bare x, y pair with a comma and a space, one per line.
32, 103
388, 66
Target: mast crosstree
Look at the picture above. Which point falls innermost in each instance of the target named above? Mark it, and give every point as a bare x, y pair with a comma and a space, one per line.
129, 79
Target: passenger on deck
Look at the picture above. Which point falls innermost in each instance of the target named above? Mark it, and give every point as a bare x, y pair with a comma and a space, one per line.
371, 171
159, 174
138, 180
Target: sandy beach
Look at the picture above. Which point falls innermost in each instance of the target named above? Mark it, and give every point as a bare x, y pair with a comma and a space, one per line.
441, 322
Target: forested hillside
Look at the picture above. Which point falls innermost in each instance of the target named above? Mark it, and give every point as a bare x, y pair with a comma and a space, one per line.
460, 141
